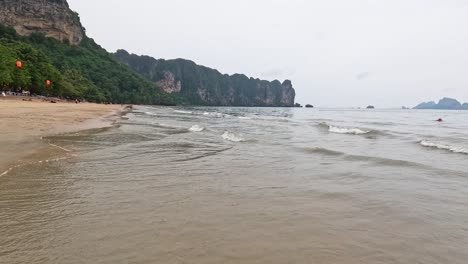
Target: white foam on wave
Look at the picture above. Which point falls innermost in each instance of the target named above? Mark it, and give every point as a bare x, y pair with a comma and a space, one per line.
59, 147
7, 171
342, 130
151, 114
55, 160
215, 114
454, 149
162, 125
196, 128
232, 137
183, 112
36, 162
244, 117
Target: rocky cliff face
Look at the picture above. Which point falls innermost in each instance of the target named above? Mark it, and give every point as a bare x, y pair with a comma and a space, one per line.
200, 85
51, 17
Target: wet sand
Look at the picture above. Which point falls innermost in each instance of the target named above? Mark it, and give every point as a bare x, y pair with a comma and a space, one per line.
23, 123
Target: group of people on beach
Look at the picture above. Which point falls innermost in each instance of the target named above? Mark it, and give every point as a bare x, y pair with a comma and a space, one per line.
30, 96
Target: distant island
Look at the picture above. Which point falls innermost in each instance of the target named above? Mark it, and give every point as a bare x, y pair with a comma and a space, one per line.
444, 104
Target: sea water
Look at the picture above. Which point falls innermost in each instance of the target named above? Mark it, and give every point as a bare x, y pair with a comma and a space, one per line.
246, 185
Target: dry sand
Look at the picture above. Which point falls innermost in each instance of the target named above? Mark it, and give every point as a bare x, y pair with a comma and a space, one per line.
23, 123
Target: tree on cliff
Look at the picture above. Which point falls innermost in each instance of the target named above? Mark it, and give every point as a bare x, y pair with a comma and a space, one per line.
84, 71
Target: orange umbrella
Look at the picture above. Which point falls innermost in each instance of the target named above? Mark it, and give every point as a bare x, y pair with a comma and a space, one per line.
19, 64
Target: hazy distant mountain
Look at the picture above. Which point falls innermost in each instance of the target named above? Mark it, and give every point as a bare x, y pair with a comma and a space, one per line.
427, 105
445, 103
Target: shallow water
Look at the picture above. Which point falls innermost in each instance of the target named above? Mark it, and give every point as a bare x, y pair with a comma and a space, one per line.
246, 185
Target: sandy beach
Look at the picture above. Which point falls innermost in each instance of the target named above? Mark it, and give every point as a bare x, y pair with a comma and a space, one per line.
23, 123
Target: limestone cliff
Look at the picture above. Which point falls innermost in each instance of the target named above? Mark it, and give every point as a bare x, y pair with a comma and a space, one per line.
51, 17
200, 85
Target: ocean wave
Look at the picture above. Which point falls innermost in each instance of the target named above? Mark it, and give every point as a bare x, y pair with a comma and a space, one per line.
8, 171
150, 114
35, 162
196, 128
343, 130
183, 112
380, 123
232, 137
454, 149
162, 125
380, 161
323, 151
59, 147
216, 114
273, 118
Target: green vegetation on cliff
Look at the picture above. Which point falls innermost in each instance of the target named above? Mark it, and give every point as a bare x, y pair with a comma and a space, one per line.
84, 71
52, 45
201, 85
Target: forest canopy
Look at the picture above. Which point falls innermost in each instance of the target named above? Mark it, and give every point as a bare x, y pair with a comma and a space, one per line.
85, 71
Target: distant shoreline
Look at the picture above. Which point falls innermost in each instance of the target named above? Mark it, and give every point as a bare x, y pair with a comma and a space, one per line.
25, 123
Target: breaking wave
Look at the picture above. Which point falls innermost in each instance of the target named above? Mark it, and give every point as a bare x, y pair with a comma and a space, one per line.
343, 130
346, 130
150, 114
183, 112
216, 114
232, 137
196, 128
454, 149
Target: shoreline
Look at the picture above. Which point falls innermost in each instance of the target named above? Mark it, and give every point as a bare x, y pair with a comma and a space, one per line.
24, 124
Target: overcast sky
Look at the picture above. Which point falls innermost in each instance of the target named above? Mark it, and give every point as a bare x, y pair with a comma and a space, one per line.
388, 53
